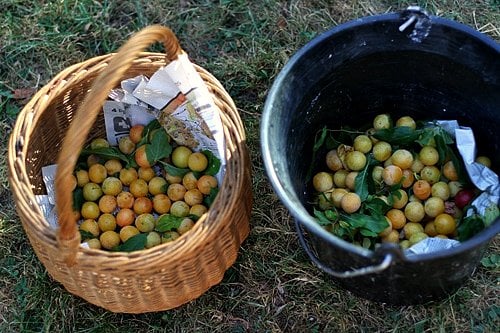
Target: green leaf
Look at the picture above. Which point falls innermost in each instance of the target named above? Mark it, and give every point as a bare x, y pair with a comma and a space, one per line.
159, 147
343, 230
354, 220
393, 193
107, 153
397, 135
434, 133
491, 214
148, 129
332, 215
459, 165
368, 225
134, 243
78, 199
321, 217
469, 226
193, 217
442, 148
318, 142
151, 126
174, 171
213, 163
492, 261
168, 222
131, 163
447, 138
331, 143
85, 235
375, 225
426, 136
362, 179
81, 163
376, 206
367, 243
368, 232
209, 199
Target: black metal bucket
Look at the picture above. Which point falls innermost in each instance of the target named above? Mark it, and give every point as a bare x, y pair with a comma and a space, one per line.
404, 63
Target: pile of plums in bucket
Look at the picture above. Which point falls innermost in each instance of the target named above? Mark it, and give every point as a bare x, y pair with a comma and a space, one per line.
397, 182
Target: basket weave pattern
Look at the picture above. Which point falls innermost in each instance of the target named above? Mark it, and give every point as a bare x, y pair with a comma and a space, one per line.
160, 278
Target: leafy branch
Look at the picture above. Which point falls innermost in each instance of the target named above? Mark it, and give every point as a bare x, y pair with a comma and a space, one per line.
349, 225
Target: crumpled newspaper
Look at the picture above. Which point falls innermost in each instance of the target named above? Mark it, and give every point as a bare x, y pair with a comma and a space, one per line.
431, 244
176, 96
48, 209
481, 176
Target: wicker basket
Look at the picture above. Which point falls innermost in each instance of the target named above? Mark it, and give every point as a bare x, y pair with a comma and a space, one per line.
57, 122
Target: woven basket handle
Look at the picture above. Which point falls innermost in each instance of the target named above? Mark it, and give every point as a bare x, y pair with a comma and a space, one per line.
68, 236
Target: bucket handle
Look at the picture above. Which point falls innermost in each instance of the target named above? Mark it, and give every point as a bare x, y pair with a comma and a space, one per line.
68, 237
386, 262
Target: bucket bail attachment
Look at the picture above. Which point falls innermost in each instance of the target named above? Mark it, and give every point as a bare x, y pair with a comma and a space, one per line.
421, 20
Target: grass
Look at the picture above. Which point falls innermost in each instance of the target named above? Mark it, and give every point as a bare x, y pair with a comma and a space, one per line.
272, 287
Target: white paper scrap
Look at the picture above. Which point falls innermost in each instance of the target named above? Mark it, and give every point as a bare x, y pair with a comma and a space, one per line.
119, 117
49, 177
431, 244
482, 176
48, 209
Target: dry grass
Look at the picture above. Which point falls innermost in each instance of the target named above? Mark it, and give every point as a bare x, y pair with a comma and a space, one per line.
273, 287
